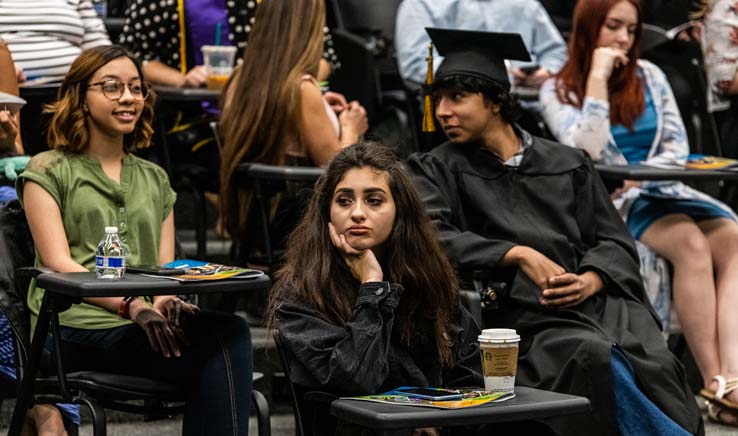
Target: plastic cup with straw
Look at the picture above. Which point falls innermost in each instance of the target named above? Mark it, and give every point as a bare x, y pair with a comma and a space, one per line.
218, 59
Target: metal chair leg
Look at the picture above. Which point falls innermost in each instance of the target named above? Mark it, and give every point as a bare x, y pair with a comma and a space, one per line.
73, 430
262, 413
99, 426
200, 212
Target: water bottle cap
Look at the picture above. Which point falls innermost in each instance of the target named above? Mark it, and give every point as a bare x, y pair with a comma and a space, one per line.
109, 230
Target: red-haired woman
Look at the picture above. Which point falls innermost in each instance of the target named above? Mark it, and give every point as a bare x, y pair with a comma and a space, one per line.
625, 112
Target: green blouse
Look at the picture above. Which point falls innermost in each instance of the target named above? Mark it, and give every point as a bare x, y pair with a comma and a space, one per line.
89, 201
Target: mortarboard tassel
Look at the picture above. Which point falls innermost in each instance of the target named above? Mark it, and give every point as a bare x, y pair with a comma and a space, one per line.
428, 124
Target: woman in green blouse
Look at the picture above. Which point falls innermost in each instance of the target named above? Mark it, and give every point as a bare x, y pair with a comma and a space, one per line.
89, 180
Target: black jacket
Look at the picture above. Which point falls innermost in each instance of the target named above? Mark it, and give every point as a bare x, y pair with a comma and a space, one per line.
366, 356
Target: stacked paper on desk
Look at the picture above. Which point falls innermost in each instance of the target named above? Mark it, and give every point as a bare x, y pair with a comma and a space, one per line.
471, 397
704, 162
196, 270
695, 162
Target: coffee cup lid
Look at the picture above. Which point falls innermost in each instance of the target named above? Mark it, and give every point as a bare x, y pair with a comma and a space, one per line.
219, 48
499, 335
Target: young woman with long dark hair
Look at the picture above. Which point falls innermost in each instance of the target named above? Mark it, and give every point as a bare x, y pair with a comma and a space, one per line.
367, 300
625, 112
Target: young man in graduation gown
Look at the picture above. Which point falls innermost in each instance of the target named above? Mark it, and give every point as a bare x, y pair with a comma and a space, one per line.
537, 215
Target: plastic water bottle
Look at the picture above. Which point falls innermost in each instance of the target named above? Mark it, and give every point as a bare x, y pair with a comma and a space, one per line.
110, 256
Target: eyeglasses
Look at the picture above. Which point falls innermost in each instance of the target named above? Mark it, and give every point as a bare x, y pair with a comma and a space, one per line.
114, 89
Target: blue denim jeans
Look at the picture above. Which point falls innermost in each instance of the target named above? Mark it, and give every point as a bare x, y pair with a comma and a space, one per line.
636, 414
216, 366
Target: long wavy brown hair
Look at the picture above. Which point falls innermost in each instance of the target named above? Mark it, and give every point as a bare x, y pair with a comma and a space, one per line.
68, 128
263, 113
315, 274
627, 101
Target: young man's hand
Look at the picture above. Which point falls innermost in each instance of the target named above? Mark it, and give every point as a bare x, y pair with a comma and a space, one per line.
567, 290
539, 268
163, 337
174, 309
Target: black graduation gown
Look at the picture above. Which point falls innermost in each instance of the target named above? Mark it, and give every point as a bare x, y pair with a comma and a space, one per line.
556, 203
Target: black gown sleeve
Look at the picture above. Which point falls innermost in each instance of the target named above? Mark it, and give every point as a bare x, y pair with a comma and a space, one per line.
351, 359
612, 252
438, 190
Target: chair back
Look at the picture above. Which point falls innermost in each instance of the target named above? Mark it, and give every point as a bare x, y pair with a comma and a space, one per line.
311, 407
683, 60
374, 21
35, 123
358, 77
16, 250
280, 194
560, 12
293, 394
375, 17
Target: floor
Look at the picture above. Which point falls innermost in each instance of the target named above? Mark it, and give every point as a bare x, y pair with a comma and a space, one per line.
282, 425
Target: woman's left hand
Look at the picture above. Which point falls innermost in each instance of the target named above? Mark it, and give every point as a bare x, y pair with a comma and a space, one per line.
567, 290
174, 309
363, 264
625, 188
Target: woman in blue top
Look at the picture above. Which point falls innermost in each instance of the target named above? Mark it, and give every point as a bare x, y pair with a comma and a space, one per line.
625, 112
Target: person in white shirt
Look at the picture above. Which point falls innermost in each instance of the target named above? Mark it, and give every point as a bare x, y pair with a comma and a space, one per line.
46, 36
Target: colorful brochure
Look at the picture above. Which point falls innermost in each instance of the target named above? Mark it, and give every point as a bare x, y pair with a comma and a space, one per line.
695, 162
704, 162
196, 270
471, 397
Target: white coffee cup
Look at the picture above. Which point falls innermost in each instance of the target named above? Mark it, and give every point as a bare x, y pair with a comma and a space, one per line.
499, 351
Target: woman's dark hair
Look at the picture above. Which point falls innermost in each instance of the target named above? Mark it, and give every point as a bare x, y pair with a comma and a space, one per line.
491, 91
315, 274
627, 101
68, 128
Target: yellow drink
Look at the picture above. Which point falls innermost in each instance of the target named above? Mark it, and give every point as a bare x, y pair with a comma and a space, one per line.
217, 81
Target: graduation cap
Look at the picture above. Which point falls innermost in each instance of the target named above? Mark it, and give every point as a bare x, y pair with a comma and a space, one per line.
477, 54
472, 53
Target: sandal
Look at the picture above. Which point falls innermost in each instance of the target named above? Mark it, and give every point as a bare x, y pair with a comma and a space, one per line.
724, 387
714, 411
